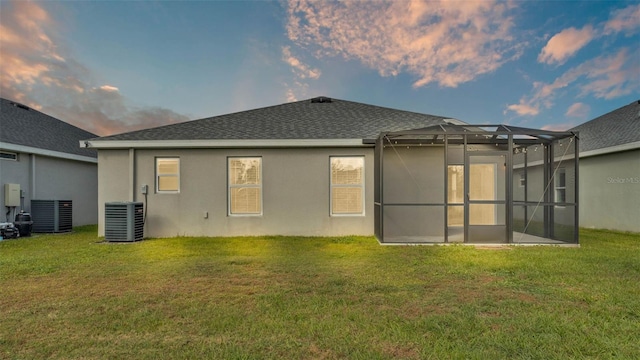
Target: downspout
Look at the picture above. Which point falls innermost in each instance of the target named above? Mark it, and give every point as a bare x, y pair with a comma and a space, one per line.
132, 174
32, 157
576, 196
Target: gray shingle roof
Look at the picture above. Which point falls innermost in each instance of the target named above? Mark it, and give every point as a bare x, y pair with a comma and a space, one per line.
618, 127
21, 125
306, 119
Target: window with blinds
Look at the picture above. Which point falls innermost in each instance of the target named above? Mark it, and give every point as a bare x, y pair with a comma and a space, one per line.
245, 186
167, 175
347, 185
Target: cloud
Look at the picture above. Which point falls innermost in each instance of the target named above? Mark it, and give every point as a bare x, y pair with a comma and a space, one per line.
37, 72
291, 96
578, 110
109, 88
523, 109
565, 43
624, 20
605, 77
302, 73
302, 70
569, 41
443, 42
558, 127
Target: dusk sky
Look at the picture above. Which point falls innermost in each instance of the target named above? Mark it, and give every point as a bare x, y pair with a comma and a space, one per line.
117, 66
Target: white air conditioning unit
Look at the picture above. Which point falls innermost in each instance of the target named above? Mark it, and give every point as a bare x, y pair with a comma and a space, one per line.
123, 221
52, 216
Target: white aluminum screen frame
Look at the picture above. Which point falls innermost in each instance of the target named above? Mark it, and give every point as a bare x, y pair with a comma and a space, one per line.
232, 185
162, 174
360, 186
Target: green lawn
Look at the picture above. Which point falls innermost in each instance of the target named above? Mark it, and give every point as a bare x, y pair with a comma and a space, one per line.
69, 296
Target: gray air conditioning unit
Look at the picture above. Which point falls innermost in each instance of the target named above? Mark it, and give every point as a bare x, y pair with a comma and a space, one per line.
52, 216
123, 221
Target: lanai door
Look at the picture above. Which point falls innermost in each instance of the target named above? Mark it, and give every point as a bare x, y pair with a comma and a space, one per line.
485, 220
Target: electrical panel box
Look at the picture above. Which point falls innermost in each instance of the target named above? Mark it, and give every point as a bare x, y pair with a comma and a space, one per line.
11, 194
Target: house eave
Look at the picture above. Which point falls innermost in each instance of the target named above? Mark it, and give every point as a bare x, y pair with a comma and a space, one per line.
198, 144
611, 149
45, 152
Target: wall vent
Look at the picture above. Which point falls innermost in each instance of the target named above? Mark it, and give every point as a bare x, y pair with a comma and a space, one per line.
124, 221
52, 216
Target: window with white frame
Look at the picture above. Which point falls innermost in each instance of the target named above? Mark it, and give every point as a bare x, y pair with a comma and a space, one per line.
560, 185
347, 185
168, 175
523, 180
245, 185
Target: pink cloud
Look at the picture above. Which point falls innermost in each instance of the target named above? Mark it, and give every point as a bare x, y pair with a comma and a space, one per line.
558, 127
443, 42
624, 20
523, 109
291, 96
578, 110
302, 70
108, 88
37, 73
564, 44
602, 77
613, 76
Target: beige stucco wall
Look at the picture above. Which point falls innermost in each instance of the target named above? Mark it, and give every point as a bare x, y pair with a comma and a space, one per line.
295, 192
610, 191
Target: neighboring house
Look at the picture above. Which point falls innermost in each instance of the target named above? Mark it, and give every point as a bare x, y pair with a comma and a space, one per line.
301, 168
40, 154
610, 170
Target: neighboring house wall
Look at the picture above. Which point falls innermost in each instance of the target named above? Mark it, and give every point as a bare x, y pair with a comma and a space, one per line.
295, 192
15, 172
49, 178
610, 191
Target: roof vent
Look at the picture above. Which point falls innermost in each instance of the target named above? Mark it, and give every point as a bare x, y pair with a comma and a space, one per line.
320, 99
24, 107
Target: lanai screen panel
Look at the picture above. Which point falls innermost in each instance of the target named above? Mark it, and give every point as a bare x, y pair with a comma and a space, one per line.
477, 184
545, 183
413, 211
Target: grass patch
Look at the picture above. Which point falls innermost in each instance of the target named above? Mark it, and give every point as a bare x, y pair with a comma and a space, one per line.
68, 296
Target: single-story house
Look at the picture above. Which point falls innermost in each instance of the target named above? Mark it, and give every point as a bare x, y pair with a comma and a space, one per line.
40, 160
610, 170
319, 167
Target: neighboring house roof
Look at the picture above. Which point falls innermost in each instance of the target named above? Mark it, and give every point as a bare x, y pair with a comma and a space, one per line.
617, 130
312, 119
24, 129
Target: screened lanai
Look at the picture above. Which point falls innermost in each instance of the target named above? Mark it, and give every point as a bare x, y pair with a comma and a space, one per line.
476, 184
